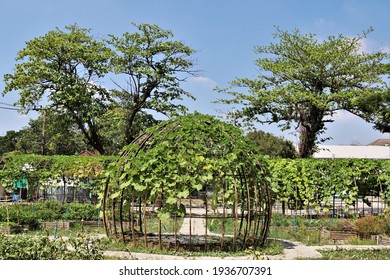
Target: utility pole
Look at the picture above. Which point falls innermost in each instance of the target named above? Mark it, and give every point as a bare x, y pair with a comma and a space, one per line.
43, 134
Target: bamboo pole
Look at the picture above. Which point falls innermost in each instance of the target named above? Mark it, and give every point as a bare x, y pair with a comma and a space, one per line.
190, 223
121, 215
113, 216
235, 213
104, 207
256, 211
249, 221
144, 218
223, 215
132, 218
205, 234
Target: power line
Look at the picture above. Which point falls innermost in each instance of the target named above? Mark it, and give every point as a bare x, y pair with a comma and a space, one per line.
9, 104
6, 108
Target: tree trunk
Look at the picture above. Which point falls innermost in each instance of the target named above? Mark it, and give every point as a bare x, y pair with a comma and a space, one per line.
311, 125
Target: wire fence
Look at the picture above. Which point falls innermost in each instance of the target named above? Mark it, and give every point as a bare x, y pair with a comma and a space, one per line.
335, 208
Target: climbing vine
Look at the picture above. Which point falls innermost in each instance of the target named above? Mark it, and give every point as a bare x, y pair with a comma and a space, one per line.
314, 182
183, 157
40, 171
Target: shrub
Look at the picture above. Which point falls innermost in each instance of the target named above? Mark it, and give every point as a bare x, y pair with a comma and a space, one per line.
78, 212
386, 224
48, 211
369, 225
42, 248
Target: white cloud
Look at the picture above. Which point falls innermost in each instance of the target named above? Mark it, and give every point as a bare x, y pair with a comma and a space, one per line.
203, 81
343, 116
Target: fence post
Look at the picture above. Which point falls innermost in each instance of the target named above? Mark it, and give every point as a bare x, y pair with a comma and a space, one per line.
55, 232
98, 217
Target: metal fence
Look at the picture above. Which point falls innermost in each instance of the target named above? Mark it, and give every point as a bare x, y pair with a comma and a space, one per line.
336, 207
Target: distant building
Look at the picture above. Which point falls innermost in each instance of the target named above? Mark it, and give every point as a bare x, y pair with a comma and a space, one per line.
87, 153
379, 149
380, 142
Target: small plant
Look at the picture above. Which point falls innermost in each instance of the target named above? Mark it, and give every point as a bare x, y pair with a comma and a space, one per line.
355, 240
369, 225
386, 224
342, 254
42, 248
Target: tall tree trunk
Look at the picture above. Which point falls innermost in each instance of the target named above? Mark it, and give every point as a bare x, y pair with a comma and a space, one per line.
311, 124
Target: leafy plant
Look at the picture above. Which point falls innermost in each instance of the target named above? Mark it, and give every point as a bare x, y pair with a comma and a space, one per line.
369, 225
42, 248
187, 155
343, 254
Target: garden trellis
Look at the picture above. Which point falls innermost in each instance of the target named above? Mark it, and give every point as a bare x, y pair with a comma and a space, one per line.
190, 158
44, 172
316, 184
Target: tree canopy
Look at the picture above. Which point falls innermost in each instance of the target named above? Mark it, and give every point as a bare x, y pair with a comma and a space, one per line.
304, 82
62, 71
154, 65
61, 137
275, 147
8, 141
62, 68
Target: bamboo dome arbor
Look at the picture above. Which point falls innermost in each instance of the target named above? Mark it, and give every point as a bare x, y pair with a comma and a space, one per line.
189, 163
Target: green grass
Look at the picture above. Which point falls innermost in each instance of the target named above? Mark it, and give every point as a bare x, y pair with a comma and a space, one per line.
373, 254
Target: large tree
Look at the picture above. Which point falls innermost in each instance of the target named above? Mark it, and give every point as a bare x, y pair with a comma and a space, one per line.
154, 65
303, 82
60, 70
275, 147
8, 141
375, 108
61, 136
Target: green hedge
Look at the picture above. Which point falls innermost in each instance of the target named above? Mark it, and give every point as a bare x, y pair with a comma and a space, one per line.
48, 211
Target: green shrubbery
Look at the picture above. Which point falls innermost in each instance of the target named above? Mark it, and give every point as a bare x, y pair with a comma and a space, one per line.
46, 211
371, 225
42, 248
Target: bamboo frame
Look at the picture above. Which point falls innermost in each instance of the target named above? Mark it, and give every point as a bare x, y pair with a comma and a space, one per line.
250, 211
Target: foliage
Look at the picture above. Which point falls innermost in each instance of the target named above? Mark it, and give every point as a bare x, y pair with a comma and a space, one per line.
374, 108
346, 254
61, 136
370, 225
154, 65
40, 171
355, 240
46, 211
62, 67
304, 82
185, 156
273, 146
42, 248
8, 141
113, 126
314, 183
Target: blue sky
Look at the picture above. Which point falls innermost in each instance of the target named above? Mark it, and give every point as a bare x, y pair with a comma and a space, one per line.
224, 34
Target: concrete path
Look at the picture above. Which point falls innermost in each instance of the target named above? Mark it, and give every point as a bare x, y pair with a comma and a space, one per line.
196, 225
